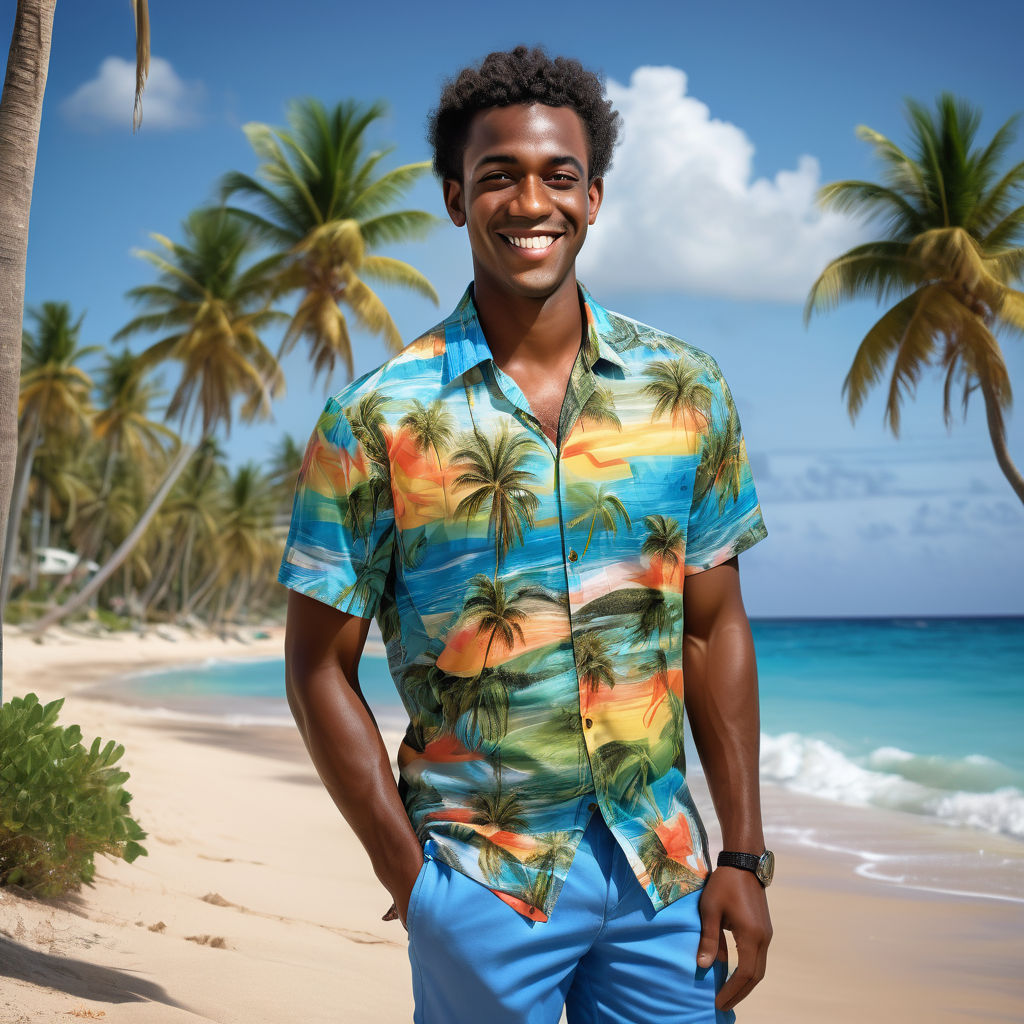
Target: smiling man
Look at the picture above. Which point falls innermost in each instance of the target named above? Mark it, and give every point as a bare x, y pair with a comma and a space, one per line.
542, 503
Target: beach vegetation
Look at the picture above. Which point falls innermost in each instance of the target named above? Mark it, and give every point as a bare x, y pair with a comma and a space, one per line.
61, 802
949, 246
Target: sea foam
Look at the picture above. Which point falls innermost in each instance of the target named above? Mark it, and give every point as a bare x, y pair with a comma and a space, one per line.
973, 790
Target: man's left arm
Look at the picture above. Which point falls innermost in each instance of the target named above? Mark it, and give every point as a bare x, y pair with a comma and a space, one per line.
720, 674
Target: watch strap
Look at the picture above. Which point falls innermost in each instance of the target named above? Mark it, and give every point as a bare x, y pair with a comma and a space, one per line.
731, 859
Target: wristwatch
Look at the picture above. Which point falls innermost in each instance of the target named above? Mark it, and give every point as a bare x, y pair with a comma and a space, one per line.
763, 865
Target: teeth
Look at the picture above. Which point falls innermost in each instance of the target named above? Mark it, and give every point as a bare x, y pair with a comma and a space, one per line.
532, 242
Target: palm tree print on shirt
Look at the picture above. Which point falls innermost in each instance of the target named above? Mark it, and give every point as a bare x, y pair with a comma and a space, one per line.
677, 388
598, 503
494, 469
431, 426
664, 541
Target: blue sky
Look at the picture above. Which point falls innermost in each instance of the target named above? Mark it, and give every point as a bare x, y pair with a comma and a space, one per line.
734, 114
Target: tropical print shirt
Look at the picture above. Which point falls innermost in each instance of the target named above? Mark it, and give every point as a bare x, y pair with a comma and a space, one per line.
530, 594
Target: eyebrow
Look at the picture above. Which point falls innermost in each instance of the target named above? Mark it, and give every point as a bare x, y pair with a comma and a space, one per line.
507, 158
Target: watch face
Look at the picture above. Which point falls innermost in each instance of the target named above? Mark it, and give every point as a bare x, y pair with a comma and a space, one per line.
766, 867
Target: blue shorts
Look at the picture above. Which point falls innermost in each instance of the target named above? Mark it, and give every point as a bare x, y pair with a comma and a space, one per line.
604, 954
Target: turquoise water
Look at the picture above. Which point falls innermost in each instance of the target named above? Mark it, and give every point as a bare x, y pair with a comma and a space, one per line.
920, 715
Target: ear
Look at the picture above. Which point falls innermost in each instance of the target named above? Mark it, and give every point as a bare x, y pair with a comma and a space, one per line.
595, 193
454, 201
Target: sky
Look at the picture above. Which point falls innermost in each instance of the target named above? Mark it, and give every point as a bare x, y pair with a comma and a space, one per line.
734, 114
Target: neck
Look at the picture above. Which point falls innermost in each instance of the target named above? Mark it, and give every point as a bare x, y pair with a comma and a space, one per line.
522, 329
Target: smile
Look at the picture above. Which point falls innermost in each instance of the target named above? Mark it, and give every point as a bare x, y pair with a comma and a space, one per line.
535, 242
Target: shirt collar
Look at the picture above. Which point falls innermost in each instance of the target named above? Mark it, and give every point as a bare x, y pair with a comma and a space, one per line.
465, 345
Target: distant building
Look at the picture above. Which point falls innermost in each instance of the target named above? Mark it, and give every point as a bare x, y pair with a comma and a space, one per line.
58, 562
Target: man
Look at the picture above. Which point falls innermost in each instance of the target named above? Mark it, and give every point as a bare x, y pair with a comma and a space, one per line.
519, 497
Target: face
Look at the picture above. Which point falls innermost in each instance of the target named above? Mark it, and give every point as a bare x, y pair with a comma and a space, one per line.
524, 198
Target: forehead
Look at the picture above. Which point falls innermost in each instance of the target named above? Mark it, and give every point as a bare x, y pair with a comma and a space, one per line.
526, 131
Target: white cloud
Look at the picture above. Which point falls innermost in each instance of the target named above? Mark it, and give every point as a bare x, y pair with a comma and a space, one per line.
682, 212
108, 99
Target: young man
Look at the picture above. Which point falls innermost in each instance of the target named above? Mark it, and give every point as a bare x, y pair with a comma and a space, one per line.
519, 498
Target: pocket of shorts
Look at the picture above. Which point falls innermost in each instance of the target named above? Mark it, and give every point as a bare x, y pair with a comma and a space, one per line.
414, 895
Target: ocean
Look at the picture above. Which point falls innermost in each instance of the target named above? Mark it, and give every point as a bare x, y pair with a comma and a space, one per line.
921, 716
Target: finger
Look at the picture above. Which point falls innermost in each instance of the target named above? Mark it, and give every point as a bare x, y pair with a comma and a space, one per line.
723, 947
749, 971
711, 938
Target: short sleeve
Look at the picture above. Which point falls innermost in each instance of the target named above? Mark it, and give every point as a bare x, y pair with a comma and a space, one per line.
725, 514
341, 535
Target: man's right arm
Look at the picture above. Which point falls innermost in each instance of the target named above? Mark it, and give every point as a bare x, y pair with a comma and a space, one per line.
322, 651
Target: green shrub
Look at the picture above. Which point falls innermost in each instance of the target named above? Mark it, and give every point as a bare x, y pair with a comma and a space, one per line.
60, 802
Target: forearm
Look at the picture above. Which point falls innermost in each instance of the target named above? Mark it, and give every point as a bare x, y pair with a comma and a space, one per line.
351, 758
720, 673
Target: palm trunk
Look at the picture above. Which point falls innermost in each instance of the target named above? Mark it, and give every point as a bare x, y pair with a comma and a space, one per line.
997, 431
201, 591
161, 575
21, 108
13, 525
125, 548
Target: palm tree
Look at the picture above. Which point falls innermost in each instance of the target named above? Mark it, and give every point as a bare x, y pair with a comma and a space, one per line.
366, 419
325, 209
283, 472
54, 403
600, 409
721, 463
21, 107
597, 503
504, 812
630, 760
951, 248
593, 664
675, 729
494, 469
246, 542
666, 874
664, 541
486, 695
431, 426
215, 310
554, 853
123, 426
676, 387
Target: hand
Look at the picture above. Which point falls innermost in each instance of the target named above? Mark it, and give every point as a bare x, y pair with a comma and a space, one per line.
402, 891
734, 899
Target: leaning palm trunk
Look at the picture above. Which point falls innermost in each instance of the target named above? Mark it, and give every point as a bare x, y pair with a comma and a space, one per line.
21, 108
175, 470
997, 432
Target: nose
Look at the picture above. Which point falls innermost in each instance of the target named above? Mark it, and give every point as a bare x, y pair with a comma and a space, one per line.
531, 199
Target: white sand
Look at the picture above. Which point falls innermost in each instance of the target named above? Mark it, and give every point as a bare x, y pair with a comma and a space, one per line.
256, 904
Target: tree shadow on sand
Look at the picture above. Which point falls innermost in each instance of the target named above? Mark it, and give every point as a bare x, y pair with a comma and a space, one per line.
78, 977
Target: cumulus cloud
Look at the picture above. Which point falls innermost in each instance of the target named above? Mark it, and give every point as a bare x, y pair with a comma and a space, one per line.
108, 99
683, 211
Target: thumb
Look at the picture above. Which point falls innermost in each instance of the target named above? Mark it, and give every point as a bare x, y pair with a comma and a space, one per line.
710, 937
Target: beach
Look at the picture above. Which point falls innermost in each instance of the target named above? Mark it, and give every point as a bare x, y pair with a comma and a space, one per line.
257, 904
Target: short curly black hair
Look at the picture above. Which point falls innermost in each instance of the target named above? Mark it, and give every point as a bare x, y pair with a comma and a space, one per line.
522, 75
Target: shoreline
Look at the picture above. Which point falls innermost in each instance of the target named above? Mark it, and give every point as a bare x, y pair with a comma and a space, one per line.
247, 850
880, 843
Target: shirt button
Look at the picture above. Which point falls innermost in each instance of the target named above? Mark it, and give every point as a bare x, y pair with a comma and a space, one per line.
573, 557
588, 722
